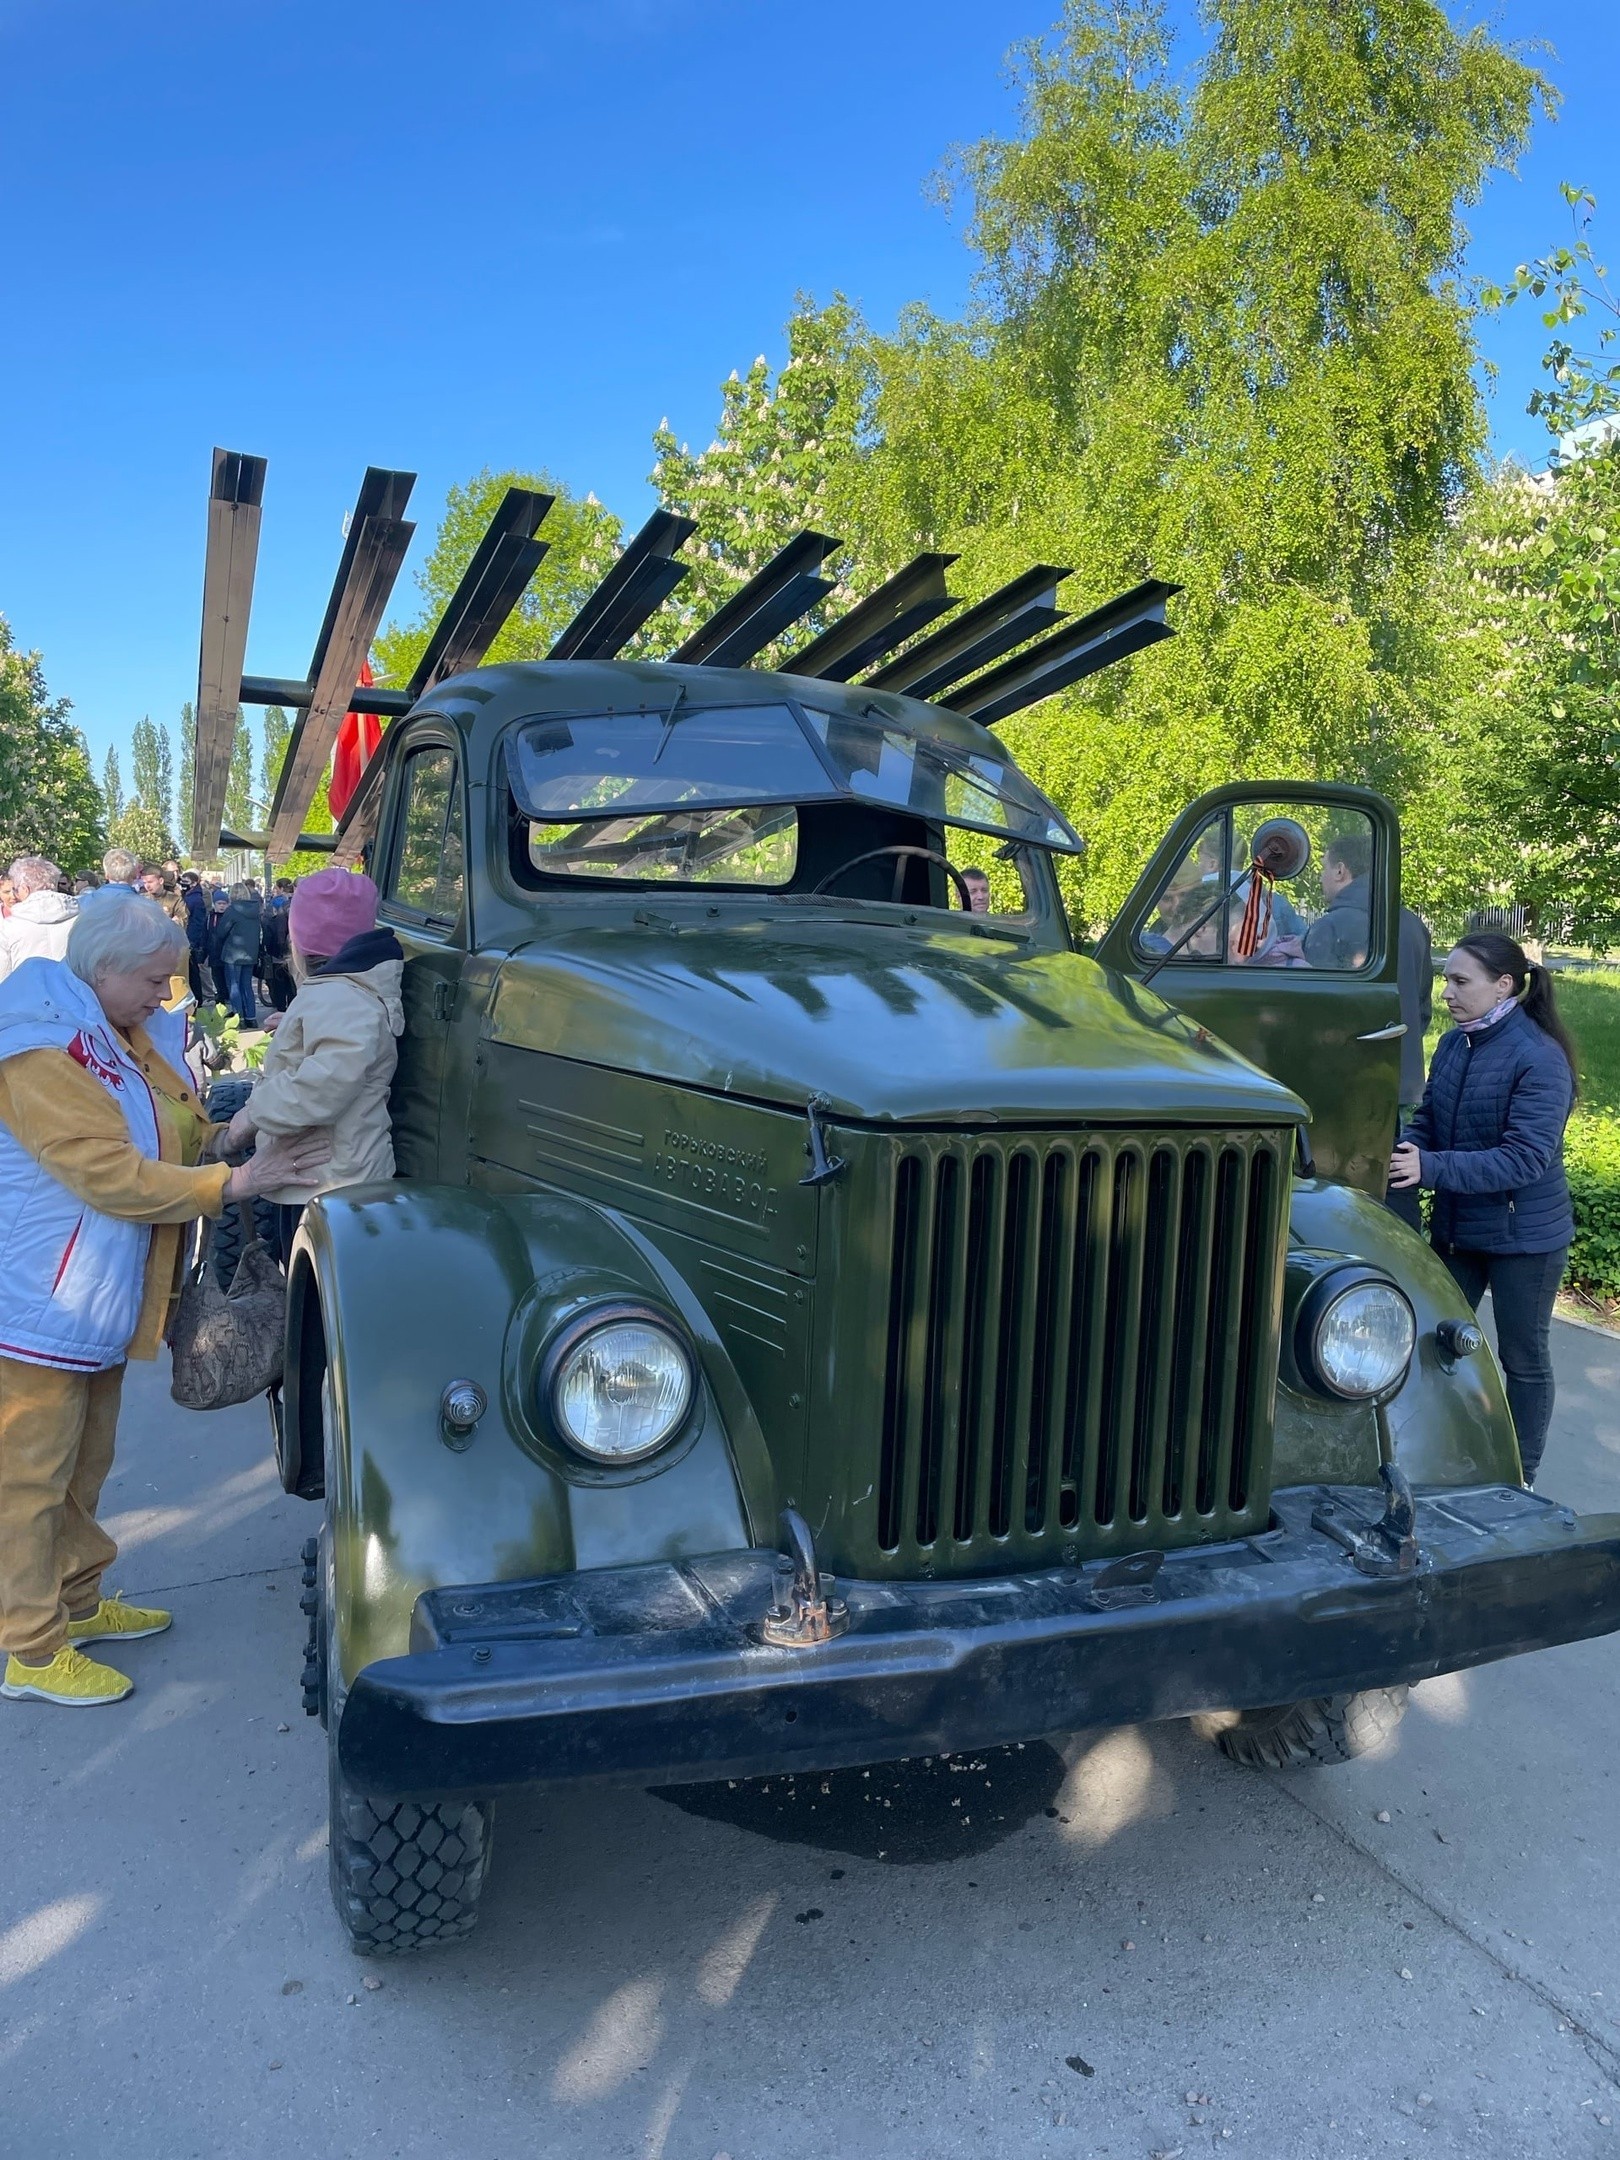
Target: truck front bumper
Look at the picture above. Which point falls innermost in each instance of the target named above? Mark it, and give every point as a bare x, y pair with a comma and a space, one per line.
654, 1674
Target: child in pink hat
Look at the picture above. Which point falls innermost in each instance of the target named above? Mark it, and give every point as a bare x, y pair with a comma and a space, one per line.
331, 1060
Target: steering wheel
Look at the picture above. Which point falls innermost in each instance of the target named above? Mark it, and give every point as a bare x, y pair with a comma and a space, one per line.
928, 854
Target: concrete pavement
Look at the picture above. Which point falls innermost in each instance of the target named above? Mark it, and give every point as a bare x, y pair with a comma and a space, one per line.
1117, 1946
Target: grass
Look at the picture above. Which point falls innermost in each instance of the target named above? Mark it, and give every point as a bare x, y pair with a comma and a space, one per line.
1590, 1004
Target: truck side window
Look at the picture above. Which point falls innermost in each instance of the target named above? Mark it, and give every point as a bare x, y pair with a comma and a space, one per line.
429, 862
1209, 912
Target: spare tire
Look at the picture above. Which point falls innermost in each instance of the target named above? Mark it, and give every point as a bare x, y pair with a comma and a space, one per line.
223, 1100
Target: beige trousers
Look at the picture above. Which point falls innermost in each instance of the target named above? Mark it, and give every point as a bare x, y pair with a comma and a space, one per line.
56, 1447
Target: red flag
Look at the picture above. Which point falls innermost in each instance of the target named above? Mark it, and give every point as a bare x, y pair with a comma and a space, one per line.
358, 736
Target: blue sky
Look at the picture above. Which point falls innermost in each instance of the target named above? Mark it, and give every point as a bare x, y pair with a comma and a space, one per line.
439, 238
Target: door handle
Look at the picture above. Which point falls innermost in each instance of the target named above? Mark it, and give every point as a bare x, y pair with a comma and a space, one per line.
1388, 1034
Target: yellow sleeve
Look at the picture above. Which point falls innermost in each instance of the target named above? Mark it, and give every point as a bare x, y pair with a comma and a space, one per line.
74, 1130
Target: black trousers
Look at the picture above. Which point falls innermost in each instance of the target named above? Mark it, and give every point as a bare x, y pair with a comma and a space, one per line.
1522, 1287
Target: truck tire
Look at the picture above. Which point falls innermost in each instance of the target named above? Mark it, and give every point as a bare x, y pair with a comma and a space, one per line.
1305, 1735
406, 1875
224, 1099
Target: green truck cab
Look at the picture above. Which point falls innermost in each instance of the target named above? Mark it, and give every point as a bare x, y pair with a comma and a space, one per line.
817, 1322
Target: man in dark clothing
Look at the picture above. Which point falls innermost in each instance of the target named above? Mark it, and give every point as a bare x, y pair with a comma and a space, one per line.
1339, 936
237, 938
1414, 971
202, 975
276, 965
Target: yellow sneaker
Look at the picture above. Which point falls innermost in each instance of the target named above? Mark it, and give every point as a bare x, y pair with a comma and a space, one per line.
113, 1617
70, 1678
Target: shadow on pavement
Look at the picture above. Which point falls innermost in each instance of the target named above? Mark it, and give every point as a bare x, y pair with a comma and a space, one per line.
935, 1808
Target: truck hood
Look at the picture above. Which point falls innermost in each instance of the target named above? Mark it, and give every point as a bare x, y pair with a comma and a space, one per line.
918, 1027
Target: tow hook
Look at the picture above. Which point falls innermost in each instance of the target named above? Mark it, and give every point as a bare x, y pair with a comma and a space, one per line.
1398, 1526
1386, 1547
807, 1614
823, 1167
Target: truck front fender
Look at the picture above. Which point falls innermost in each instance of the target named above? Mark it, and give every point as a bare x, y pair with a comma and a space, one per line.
395, 1291
1450, 1423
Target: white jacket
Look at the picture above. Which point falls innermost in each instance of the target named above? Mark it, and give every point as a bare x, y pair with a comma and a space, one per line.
330, 1063
71, 1285
36, 929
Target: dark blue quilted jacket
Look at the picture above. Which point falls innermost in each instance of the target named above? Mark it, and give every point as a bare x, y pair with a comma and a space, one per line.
1490, 1130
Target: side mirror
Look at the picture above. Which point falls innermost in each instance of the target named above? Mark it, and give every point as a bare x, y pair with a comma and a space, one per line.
1282, 848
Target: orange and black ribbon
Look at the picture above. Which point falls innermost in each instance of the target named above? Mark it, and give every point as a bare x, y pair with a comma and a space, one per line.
1256, 923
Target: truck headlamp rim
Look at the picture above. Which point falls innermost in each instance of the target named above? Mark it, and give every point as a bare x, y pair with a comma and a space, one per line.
1326, 1298
565, 1380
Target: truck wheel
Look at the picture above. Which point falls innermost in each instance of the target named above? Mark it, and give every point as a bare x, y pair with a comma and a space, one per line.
406, 1875
1305, 1735
223, 1100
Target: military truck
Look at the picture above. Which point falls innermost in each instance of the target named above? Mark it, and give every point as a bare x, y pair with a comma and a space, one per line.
822, 1319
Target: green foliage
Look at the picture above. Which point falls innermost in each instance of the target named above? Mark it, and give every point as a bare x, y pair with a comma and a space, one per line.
143, 833
581, 538
1590, 1005
772, 469
1589, 1002
1585, 378
240, 814
186, 793
1216, 337
318, 818
1529, 597
277, 732
49, 802
1592, 1159
221, 1029
151, 768
112, 788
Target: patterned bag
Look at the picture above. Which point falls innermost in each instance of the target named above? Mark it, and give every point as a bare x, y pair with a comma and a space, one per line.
227, 1344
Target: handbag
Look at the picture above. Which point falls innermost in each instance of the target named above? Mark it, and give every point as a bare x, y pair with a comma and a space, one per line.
228, 1344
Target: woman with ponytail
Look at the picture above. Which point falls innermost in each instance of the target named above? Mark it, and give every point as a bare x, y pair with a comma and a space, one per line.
1488, 1140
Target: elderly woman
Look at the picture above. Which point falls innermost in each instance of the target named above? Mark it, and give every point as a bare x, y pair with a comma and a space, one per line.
41, 916
101, 1136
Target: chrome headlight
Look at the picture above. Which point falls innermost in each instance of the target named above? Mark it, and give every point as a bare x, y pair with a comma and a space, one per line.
618, 1385
1356, 1334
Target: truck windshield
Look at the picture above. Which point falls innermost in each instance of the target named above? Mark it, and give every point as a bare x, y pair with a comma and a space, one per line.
651, 771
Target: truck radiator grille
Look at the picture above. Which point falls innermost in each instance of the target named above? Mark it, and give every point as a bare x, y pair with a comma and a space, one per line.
1082, 1343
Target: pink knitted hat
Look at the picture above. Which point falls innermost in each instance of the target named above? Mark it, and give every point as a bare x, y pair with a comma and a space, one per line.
328, 908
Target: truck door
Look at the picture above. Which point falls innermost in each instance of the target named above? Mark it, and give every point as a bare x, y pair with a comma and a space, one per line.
1270, 915
422, 875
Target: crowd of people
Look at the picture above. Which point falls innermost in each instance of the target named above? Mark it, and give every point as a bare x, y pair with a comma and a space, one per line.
238, 952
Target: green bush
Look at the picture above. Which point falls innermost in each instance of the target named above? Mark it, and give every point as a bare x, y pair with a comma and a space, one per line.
1592, 1157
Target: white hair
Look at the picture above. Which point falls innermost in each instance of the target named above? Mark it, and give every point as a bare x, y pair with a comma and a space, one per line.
116, 929
120, 865
32, 874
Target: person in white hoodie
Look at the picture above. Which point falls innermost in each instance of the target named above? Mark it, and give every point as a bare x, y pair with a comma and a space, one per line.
331, 1060
102, 1146
38, 924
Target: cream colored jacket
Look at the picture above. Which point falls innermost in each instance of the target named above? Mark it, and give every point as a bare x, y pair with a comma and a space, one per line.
330, 1063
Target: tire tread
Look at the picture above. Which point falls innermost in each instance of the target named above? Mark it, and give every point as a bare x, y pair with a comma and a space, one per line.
394, 1881
1307, 1735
